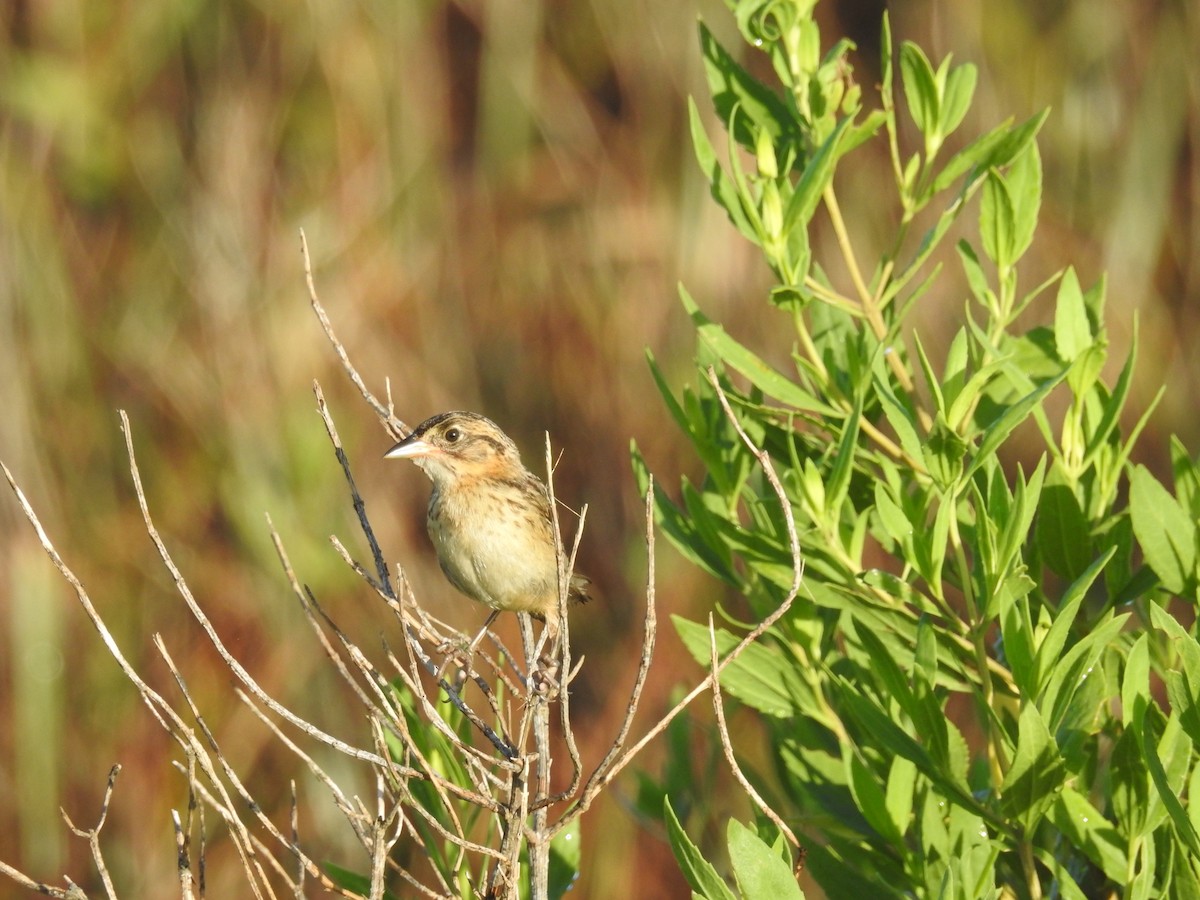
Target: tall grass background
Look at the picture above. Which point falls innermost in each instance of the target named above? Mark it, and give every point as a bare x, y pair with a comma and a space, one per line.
500, 198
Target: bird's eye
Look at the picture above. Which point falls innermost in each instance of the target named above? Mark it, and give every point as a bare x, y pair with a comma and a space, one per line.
452, 435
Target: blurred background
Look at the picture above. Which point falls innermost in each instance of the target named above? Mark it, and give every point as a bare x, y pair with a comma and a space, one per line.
500, 198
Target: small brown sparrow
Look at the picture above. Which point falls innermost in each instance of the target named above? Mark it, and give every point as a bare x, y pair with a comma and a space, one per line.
489, 518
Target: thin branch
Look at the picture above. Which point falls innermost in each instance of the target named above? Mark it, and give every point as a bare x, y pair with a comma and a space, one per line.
182, 864
727, 744
92, 835
339, 798
566, 572
360, 506
764, 460
649, 634
71, 892
395, 426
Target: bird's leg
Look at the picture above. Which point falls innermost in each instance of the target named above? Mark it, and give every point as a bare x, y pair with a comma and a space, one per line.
544, 674
479, 637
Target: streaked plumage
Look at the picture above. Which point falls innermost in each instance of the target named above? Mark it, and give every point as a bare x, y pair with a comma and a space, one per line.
489, 516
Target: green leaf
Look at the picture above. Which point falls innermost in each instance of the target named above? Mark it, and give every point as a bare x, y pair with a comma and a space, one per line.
997, 222
1187, 477
954, 372
929, 544
1129, 793
1165, 532
1168, 794
1193, 793
974, 272
868, 796
967, 400
1062, 528
885, 668
1183, 675
837, 485
1085, 827
1024, 180
738, 357
932, 381
698, 871
733, 87
723, 190
944, 452
1036, 773
891, 738
956, 99
1098, 437
1072, 331
1016, 630
928, 715
920, 87
901, 784
996, 148
760, 677
1135, 684
1064, 879
838, 868
1013, 416
1066, 676
891, 514
680, 529
816, 177
897, 414
1014, 142
1015, 530
1184, 883
565, 856
760, 873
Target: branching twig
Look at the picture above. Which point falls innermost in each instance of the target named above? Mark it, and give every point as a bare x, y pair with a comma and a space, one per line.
92, 835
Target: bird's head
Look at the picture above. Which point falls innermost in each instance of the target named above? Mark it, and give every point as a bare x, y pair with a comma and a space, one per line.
456, 445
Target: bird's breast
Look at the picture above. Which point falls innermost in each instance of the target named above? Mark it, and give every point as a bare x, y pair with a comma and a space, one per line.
494, 548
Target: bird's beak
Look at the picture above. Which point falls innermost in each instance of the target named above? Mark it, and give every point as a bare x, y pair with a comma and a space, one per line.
409, 448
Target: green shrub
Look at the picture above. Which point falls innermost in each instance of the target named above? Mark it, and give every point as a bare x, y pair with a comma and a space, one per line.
980, 689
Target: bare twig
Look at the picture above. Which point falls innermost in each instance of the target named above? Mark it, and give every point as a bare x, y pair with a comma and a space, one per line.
764, 460
566, 571
727, 744
262, 851
385, 413
360, 506
649, 633
70, 892
92, 835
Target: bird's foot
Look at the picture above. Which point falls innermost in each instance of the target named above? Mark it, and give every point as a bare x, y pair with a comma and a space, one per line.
543, 678
455, 655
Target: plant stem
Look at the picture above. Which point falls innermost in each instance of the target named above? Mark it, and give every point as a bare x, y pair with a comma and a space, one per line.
867, 302
997, 758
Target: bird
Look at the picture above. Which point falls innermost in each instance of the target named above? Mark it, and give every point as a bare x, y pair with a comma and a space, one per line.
489, 519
